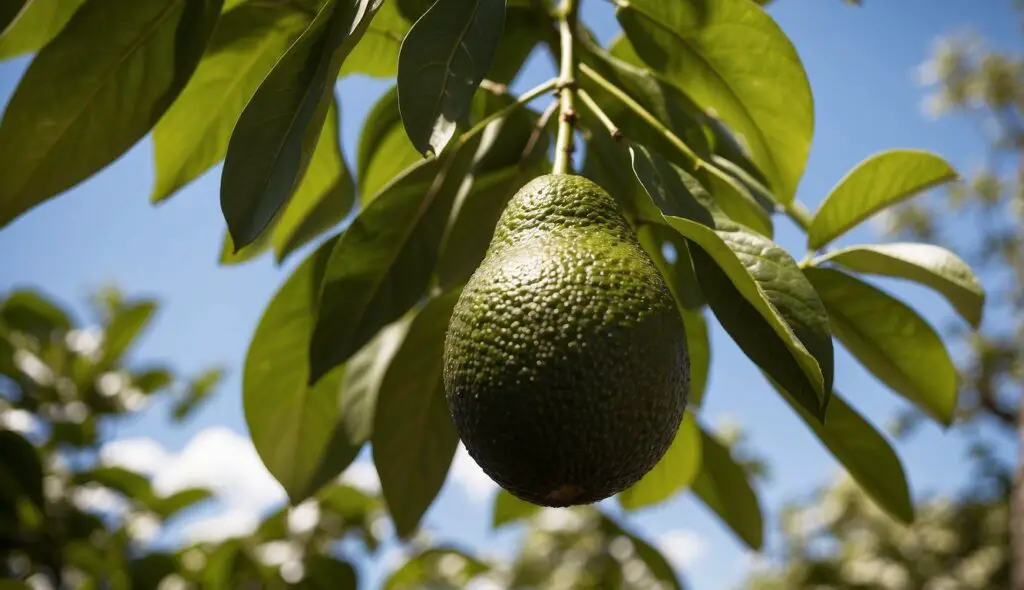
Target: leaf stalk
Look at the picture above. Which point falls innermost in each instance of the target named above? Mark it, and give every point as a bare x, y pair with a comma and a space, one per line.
568, 19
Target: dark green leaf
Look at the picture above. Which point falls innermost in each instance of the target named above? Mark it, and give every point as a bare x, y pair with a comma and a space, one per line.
178, 501
131, 485
673, 473
704, 47
753, 267
230, 257
384, 148
723, 486
864, 452
891, 340
149, 570
21, 471
437, 565
737, 199
524, 27
29, 312
124, 328
152, 380
509, 509
414, 438
679, 274
383, 262
194, 134
291, 423
443, 59
652, 558
926, 264
87, 98
882, 180
327, 573
8, 12
273, 141
36, 25
324, 196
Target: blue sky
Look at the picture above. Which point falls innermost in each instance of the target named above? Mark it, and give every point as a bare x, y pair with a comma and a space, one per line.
862, 66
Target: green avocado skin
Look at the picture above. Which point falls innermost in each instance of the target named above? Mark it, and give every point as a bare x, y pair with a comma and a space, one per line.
565, 367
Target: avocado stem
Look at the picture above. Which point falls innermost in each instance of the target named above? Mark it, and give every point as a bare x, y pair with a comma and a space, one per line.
568, 18
522, 101
795, 210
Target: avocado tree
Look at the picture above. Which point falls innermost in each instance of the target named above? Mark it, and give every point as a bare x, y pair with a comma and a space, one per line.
697, 120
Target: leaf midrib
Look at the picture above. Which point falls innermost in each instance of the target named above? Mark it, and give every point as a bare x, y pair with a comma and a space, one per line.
435, 113
728, 86
141, 40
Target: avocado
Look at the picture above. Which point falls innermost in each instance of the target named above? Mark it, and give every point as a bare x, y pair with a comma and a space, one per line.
565, 362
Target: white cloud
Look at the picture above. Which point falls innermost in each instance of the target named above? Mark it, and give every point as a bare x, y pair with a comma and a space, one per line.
468, 475
142, 455
233, 523
362, 475
218, 459
98, 499
225, 462
682, 548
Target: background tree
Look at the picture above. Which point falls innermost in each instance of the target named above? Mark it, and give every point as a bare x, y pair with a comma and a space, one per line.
703, 144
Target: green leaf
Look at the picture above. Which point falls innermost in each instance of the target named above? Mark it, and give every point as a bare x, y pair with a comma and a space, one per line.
347, 502
273, 141
363, 375
926, 264
891, 340
455, 568
722, 485
882, 180
323, 572
383, 262
443, 59
414, 438
737, 201
509, 509
864, 452
652, 558
29, 312
35, 26
194, 134
151, 380
699, 345
87, 98
377, 54
325, 195
731, 261
291, 423
384, 149
705, 47
199, 389
124, 328
230, 257
21, 470
150, 569
673, 473
178, 501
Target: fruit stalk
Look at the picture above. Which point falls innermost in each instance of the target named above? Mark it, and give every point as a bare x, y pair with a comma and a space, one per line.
567, 20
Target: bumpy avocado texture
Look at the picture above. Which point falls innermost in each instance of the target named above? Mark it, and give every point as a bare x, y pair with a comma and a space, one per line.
565, 364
